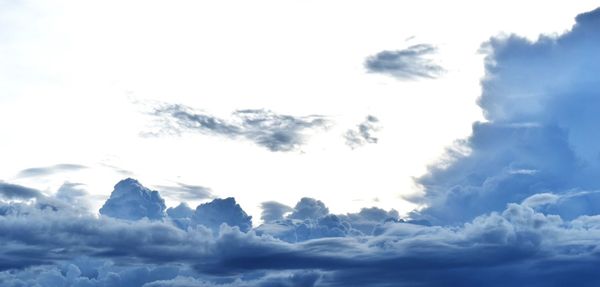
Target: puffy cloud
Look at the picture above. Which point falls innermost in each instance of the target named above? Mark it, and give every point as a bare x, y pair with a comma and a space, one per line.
406, 64
275, 132
272, 211
219, 211
47, 170
363, 134
131, 200
540, 100
309, 208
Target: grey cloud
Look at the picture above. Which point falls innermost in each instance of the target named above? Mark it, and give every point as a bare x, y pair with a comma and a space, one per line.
47, 170
406, 64
186, 192
272, 211
275, 132
15, 191
363, 134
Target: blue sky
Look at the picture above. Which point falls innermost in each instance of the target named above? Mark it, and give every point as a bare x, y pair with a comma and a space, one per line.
282, 143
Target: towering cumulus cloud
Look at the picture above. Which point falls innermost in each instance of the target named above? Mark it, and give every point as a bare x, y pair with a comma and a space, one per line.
541, 101
131, 200
515, 204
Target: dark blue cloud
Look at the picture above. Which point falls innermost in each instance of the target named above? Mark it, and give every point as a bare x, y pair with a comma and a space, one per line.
407, 64
363, 134
540, 100
131, 200
275, 132
219, 211
48, 170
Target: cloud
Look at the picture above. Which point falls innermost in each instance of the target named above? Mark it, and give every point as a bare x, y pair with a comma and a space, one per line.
272, 211
275, 132
515, 204
219, 211
14, 191
407, 64
62, 247
540, 100
130, 200
186, 192
48, 170
363, 134
309, 208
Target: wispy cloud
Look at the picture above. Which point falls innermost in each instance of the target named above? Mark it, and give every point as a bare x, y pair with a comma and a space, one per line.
184, 192
406, 64
265, 128
363, 133
48, 170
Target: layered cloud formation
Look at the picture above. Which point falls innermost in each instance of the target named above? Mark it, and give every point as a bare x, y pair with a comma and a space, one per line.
515, 204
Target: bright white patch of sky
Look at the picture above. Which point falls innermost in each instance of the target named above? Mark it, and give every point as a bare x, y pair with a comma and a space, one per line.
76, 77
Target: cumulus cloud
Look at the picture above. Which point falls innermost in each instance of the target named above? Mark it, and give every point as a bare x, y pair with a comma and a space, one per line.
131, 200
515, 204
407, 64
275, 132
491, 250
363, 134
272, 211
219, 211
48, 170
540, 101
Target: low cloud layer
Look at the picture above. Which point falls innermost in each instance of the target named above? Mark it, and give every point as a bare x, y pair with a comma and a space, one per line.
65, 247
275, 132
407, 64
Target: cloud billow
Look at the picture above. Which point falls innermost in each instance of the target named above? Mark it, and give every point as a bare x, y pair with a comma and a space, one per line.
540, 101
515, 204
407, 64
276, 132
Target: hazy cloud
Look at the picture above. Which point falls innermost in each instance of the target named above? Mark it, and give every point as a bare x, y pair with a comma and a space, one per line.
275, 132
48, 170
363, 133
186, 192
15, 191
406, 64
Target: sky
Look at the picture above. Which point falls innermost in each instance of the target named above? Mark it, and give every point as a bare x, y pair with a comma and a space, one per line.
299, 143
